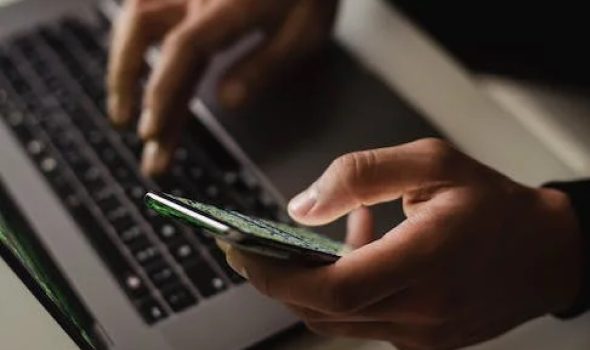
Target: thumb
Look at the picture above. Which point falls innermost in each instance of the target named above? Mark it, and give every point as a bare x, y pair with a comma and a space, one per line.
370, 177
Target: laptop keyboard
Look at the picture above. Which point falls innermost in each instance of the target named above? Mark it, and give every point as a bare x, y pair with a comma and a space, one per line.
52, 97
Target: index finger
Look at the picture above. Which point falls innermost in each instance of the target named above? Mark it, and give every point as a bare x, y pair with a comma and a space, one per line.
125, 62
138, 25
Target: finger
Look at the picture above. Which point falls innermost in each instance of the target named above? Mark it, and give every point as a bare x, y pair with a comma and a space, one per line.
185, 53
360, 227
137, 27
224, 246
361, 278
306, 28
158, 153
370, 177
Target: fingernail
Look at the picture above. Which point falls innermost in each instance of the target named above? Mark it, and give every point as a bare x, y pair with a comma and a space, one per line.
144, 126
301, 204
234, 261
233, 93
154, 158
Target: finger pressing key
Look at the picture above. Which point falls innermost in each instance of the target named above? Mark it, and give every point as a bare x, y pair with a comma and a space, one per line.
185, 52
139, 25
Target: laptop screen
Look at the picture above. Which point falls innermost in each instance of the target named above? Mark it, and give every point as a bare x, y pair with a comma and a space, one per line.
23, 259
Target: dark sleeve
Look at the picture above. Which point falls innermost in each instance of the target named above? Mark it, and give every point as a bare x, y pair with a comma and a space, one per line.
579, 193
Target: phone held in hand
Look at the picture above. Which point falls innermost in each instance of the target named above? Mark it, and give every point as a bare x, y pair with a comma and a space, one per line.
248, 233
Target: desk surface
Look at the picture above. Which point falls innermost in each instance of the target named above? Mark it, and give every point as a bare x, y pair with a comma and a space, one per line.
412, 64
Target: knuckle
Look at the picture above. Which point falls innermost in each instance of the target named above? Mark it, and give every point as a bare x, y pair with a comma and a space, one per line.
436, 147
355, 168
439, 154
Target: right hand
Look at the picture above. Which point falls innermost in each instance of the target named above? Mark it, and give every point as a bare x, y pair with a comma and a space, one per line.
477, 255
191, 31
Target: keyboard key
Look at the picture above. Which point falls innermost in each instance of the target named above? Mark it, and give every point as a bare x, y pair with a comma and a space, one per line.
120, 219
168, 233
131, 235
146, 254
162, 274
151, 311
93, 180
204, 278
183, 252
48, 165
108, 202
65, 191
35, 147
111, 254
134, 285
179, 298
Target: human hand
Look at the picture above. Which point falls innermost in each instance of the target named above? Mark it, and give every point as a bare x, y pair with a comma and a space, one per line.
191, 31
477, 255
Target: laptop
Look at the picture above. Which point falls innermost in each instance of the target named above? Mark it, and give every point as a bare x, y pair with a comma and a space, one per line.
142, 281
36, 299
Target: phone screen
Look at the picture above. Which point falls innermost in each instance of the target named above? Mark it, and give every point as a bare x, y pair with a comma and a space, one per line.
260, 229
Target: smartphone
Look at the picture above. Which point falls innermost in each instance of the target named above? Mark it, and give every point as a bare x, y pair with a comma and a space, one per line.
260, 236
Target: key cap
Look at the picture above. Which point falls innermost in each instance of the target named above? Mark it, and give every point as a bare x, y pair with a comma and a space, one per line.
151, 311
183, 252
110, 253
162, 274
178, 297
120, 219
93, 180
35, 147
204, 278
168, 233
146, 254
108, 202
131, 234
134, 285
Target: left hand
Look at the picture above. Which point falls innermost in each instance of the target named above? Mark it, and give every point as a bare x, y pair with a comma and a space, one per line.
477, 255
191, 32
